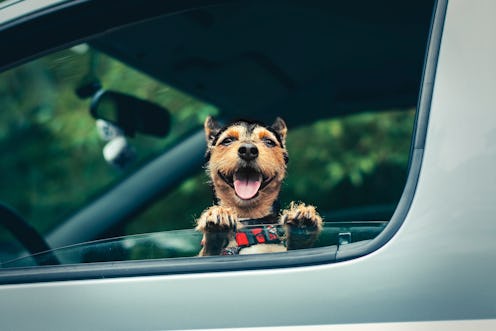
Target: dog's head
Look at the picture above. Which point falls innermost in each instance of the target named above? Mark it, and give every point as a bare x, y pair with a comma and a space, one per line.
247, 164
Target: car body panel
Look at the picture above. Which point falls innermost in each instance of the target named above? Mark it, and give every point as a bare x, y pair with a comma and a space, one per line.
439, 266
14, 9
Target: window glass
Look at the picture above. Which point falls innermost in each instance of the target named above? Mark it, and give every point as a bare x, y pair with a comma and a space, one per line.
344, 81
352, 167
52, 162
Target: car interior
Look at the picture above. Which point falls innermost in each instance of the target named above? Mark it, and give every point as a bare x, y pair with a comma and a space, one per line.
118, 173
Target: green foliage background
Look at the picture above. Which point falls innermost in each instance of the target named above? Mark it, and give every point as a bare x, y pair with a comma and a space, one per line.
335, 164
52, 162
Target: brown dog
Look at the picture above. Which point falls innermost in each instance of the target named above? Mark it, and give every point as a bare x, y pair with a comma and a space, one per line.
246, 162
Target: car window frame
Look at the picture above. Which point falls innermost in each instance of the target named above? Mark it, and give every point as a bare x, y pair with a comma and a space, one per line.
298, 258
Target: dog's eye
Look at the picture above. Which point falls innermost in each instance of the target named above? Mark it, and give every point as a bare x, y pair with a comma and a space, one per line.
269, 142
227, 141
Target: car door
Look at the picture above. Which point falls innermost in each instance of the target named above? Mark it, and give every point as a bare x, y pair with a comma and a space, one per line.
430, 268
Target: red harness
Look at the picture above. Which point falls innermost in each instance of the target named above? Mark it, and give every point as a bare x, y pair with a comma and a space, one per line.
246, 237
259, 235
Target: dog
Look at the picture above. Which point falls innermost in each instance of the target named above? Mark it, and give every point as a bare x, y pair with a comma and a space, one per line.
246, 163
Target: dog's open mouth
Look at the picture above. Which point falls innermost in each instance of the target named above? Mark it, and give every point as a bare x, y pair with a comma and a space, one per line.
247, 182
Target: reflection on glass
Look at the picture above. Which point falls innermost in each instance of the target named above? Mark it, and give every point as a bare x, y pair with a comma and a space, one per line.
180, 243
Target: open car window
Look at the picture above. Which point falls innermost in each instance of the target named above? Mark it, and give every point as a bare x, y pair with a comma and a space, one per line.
176, 244
59, 158
128, 188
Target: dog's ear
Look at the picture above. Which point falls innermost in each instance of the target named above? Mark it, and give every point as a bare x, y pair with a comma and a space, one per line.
211, 129
280, 127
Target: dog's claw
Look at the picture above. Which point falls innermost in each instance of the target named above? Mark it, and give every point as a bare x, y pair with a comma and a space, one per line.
301, 215
217, 218
218, 225
303, 225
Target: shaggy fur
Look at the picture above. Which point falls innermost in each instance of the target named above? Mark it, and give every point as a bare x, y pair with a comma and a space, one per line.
246, 163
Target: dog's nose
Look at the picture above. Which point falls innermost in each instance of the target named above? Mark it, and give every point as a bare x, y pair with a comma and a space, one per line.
248, 152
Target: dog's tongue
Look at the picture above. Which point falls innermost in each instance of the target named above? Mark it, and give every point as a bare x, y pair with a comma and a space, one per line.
246, 184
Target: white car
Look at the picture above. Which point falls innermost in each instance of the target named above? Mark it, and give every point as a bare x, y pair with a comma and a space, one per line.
391, 136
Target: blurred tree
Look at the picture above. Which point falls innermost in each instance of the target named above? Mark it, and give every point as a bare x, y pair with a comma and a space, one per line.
52, 163
335, 164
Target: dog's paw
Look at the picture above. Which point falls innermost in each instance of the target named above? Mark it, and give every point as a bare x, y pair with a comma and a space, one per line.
217, 219
218, 225
303, 225
301, 216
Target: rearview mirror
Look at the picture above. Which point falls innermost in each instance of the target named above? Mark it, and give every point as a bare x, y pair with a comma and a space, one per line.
131, 114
